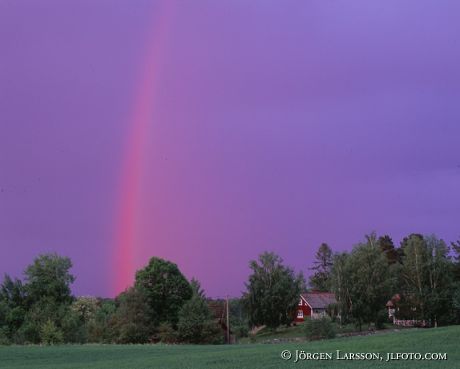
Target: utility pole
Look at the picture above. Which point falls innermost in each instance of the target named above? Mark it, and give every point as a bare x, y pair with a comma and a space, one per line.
228, 324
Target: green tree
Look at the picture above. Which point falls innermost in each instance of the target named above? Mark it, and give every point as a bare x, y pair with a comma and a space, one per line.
456, 248
238, 317
388, 248
132, 322
12, 307
39, 313
195, 323
272, 291
98, 327
50, 334
48, 296
320, 280
440, 287
165, 288
370, 282
48, 277
415, 273
341, 285
85, 307
428, 279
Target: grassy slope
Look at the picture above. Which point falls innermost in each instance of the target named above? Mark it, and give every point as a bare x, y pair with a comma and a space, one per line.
297, 331
290, 332
254, 356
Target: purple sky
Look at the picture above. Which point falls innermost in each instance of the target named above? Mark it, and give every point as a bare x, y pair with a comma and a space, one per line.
279, 125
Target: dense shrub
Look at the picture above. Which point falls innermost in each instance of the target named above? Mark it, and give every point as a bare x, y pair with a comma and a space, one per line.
194, 317
196, 324
50, 334
98, 329
212, 334
240, 330
131, 323
316, 329
382, 318
165, 289
4, 338
167, 334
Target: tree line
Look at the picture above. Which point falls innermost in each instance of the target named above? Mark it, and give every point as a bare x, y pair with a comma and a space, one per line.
422, 276
161, 306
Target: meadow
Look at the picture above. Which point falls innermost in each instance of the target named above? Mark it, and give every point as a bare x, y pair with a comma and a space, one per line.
244, 356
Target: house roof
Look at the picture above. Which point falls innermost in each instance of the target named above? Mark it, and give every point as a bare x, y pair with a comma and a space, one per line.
319, 300
396, 298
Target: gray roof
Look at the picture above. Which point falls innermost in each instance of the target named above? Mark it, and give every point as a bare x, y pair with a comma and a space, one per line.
319, 300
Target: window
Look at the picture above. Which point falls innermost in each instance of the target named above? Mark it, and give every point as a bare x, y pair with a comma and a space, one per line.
300, 302
299, 314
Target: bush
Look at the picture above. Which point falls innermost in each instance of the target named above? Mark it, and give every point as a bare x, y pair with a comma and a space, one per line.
73, 329
241, 330
167, 334
4, 338
99, 328
131, 323
196, 325
131, 333
50, 334
316, 329
382, 318
212, 333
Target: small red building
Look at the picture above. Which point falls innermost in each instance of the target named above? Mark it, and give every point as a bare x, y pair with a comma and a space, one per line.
314, 304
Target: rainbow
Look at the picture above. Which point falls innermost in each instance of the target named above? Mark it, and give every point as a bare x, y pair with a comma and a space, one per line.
142, 116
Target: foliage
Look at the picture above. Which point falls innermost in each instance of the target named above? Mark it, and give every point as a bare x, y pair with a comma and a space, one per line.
320, 280
36, 316
50, 334
371, 281
98, 328
272, 291
341, 286
427, 277
439, 294
12, 307
456, 267
47, 297
4, 340
48, 277
164, 306
238, 317
85, 308
388, 248
362, 281
165, 288
195, 323
212, 333
415, 272
167, 334
319, 328
131, 322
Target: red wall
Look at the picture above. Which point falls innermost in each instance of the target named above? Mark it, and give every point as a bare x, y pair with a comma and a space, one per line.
306, 311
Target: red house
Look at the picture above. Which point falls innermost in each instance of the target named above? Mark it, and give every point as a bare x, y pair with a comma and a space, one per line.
314, 304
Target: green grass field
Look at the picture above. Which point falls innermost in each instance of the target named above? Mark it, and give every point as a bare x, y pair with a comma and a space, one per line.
244, 356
